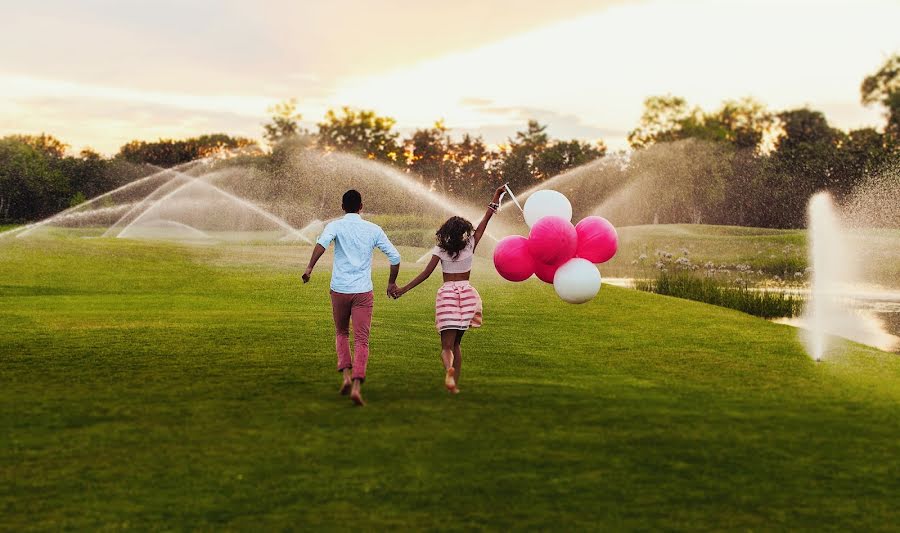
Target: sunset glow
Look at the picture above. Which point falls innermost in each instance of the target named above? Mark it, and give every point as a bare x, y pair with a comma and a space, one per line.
584, 68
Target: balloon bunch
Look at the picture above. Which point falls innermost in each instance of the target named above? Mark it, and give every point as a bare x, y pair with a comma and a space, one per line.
556, 251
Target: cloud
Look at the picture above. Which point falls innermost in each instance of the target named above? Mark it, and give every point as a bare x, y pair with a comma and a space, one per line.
560, 125
583, 66
471, 101
107, 125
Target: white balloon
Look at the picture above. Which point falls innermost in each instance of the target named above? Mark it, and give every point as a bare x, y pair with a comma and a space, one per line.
546, 203
577, 281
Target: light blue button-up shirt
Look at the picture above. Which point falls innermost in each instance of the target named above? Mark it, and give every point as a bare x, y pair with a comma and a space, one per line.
354, 239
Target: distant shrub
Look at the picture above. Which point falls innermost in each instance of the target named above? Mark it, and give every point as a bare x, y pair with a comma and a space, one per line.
781, 266
761, 303
406, 222
416, 237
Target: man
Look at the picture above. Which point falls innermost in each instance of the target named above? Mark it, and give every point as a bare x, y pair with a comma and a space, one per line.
351, 286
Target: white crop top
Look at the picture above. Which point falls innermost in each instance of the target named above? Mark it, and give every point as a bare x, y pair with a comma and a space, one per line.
462, 263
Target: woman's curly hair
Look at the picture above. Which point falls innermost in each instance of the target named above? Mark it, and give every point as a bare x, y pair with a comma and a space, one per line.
454, 235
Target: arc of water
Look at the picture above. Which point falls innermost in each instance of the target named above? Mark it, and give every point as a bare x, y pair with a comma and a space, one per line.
557, 179
253, 207
425, 256
417, 188
13, 231
618, 195
303, 231
138, 206
25, 230
191, 229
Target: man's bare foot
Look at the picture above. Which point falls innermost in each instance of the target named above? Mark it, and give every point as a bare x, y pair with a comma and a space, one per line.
356, 394
450, 380
455, 390
348, 382
356, 397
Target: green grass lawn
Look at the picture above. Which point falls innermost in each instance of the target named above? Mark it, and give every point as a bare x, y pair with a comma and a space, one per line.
151, 386
7, 227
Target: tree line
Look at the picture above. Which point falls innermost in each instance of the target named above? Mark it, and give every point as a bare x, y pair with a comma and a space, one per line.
739, 164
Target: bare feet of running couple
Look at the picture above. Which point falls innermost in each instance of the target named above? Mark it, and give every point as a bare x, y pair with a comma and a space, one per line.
354, 390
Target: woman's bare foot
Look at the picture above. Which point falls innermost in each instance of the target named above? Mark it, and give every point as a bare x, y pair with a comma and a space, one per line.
455, 390
450, 380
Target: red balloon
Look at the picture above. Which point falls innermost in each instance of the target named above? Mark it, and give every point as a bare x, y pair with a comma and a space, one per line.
552, 241
512, 260
546, 272
597, 239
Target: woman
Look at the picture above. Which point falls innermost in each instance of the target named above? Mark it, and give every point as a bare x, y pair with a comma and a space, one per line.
458, 305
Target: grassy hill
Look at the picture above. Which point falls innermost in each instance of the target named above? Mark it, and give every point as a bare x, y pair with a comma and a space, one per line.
152, 385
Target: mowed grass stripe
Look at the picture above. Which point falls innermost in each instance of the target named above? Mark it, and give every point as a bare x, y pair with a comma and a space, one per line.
151, 385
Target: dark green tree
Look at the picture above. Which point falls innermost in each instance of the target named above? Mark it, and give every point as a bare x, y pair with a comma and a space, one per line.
560, 156
170, 152
533, 156
31, 186
519, 156
663, 120
883, 88
360, 132
48, 145
475, 166
863, 152
284, 123
87, 175
805, 160
428, 155
742, 123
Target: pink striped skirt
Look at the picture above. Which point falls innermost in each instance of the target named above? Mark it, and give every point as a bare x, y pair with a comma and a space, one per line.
457, 306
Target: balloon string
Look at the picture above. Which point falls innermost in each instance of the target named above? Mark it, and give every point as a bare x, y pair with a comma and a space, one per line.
513, 196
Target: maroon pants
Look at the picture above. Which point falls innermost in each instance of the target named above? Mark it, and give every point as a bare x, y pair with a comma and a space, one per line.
358, 309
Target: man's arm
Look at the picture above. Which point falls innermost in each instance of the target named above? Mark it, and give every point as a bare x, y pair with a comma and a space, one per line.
392, 280
322, 243
385, 245
316, 254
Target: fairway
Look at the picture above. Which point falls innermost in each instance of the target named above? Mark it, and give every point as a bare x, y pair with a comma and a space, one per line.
155, 386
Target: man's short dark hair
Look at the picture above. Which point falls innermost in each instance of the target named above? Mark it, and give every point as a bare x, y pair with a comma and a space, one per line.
352, 201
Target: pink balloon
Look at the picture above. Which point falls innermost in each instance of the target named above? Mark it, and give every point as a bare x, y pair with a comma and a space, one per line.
546, 272
597, 239
512, 260
552, 241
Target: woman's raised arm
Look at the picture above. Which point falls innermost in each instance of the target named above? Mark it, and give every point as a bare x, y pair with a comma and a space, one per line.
492, 208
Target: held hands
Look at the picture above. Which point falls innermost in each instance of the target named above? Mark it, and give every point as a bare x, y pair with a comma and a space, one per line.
396, 292
392, 290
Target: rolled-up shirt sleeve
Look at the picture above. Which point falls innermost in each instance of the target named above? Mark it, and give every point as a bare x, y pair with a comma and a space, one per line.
385, 245
327, 236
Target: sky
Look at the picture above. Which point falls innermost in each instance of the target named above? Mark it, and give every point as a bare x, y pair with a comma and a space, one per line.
99, 73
